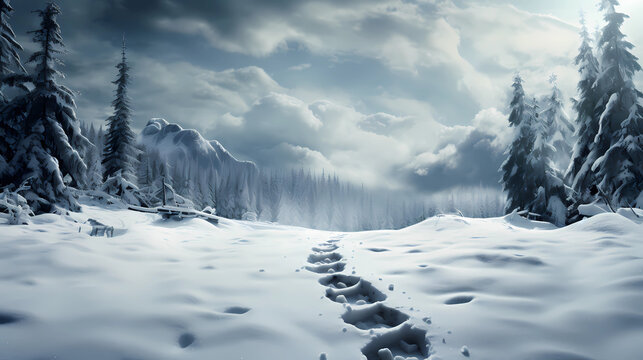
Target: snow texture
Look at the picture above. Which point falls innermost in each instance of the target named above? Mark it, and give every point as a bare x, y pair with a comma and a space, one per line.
499, 288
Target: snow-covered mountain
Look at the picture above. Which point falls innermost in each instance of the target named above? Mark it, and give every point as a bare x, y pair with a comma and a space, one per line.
196, 164
178, 146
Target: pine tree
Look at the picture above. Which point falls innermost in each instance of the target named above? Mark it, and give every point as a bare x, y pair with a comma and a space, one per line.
9, 47
561, 130
516, 183
93, 158
579, 173
120, 152
50, 136
550, 197
9, 61
619, 141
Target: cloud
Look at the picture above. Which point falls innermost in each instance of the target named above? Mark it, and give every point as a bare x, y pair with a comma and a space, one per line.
391, 94
283, 131
195, 96
383, 123
300, 67
288, 156
453, 58
468, 155
277, 118
474, 40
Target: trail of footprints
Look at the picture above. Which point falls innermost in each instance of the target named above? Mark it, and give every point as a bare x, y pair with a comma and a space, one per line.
394, 338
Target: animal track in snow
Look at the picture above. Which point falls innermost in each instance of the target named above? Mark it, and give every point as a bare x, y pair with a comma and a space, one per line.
374, 316
399, 337
325, 248
363, 291
326, 268
406, 341
324, 258
339, 281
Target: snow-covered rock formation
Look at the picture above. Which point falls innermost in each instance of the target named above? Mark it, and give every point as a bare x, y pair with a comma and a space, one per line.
195, 164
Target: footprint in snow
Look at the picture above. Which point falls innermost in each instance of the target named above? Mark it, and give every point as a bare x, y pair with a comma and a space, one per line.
237, 310
186, 339
378, 249
406, 341
324, 258
361, 293
339, 281
374, 316
337, 266
460, 299
9, 318
325, 248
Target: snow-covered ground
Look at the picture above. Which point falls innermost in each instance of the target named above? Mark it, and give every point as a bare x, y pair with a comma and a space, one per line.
501, 288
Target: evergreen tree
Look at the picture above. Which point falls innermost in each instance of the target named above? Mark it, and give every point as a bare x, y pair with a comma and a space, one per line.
579, 173
50, 136
9, 47
9, 61
92, 156
519, 187
619, 141
561, 130
95, 166
119, 153
550, 189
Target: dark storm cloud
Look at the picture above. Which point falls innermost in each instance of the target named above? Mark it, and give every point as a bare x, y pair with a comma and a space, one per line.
475, 161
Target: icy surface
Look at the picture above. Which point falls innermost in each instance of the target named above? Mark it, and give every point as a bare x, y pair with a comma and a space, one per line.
503, 288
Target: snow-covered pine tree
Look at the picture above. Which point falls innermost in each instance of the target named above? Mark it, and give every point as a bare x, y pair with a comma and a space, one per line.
550, 196
9, 61
579, 173
561, 130
120, 152
516, 180
50, 136
9, 47
274, 194
619, 142
95, 164
92, 156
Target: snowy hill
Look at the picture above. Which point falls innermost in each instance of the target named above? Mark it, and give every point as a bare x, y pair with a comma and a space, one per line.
501, 288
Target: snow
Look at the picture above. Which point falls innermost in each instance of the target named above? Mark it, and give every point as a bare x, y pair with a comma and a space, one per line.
499, 288
178, 145
594, 208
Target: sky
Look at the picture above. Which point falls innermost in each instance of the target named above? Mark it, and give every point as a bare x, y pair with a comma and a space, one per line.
393, 94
